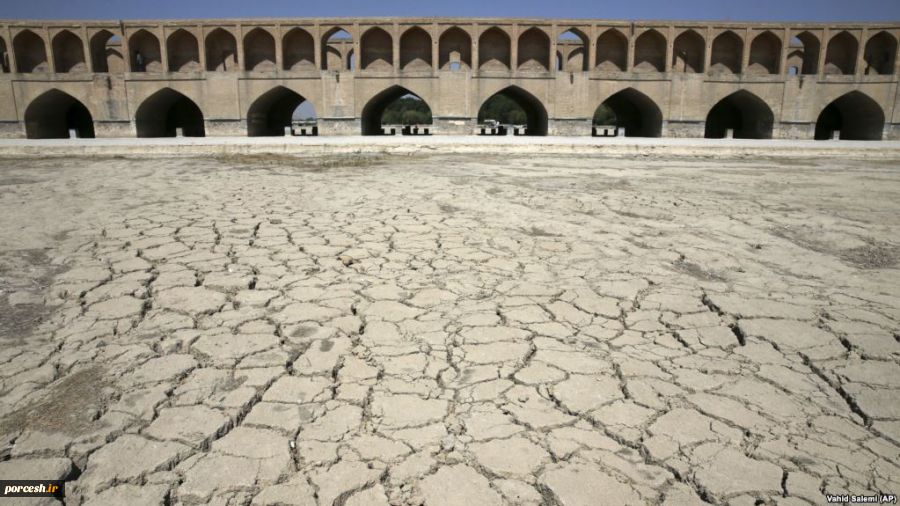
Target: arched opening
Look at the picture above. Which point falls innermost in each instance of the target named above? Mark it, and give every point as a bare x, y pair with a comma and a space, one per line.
259, 50
650, 52
106, 52
377, 48
632, 111
396, 107
688, 52
183, 51
515, 106
742, 113
54, 114
612, 51
4, 57
494, 50
221, 51
299, 52
145, 55
840, 55
455, 47
572, 55
351, 60
415, 50
277, 111
803, 54
166, 112
881, 51
31, 55
853, 116
337, 44
765, 51
534, 51
68, 53
727, 51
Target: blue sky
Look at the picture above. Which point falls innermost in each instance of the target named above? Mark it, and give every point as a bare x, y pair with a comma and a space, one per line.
738, 10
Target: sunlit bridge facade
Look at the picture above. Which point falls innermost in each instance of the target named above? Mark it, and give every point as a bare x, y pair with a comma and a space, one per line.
277, 77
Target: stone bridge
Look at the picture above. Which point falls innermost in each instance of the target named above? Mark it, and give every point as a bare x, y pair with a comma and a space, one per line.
247, 76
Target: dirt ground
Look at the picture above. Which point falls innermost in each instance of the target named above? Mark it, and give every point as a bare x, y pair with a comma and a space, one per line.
450, 330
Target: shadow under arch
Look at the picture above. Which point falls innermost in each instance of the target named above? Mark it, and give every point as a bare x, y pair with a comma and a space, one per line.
637, 113
52, 114
272, 112
855, 115
747, 115
535, 112
164, 112
374, 109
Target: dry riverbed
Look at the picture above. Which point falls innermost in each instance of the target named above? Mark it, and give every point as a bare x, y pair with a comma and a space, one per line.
450, 330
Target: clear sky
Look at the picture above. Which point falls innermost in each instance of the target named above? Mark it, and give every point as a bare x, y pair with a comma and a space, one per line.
737, 10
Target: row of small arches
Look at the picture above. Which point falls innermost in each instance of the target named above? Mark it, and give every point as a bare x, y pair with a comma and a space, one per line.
494, 51
854, 116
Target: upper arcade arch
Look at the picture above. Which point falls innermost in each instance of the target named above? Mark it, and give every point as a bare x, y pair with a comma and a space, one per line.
259, 50
454, 47
145, 53
183, 51
494, 50
221, 51
573, 51
612, 51
533, 50
840, 54
803, 53
68, 53
688, 52
298, 50
650, 52
727, 53
765, 54
377, 49
30, 52
337, 48
415, 50
106, 52
880, 54
54, 113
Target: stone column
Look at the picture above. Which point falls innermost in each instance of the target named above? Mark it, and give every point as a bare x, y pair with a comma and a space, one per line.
435, 55
395, 47
554, 42
475, 35
745, 56
785, 47
126, 49
707, 57
201, 46
629, 62
592, 48
357, 51
317, 46
164, 49
861, 53
86, 47
48, 43
823, 51
10, 54
279, 53
240, 46
670, 48
514, 49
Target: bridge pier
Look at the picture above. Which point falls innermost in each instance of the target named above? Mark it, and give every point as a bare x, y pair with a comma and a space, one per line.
453, 125
339, 126
578, 127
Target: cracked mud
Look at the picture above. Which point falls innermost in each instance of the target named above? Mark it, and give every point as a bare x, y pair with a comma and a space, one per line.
450, 330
